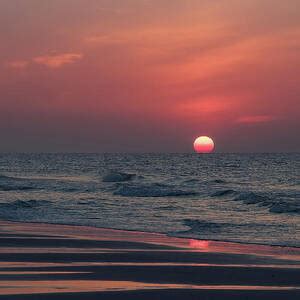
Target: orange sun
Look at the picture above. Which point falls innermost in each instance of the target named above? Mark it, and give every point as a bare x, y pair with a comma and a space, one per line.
204, 144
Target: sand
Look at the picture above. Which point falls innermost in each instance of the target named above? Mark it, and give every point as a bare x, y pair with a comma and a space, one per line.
45, 261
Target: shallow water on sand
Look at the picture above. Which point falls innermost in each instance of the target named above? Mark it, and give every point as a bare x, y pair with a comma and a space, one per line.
251, 198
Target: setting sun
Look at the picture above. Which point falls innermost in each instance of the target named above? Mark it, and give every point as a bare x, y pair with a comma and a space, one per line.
204, 144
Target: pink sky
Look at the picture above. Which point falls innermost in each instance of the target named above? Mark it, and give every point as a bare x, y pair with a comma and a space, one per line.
149, 76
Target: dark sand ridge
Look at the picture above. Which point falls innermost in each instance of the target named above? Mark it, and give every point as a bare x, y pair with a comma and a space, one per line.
75, 262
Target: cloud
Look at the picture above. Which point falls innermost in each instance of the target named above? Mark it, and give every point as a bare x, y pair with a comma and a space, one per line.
50, 61
57, 61
256, 119
206, 105
105, 39
18, 64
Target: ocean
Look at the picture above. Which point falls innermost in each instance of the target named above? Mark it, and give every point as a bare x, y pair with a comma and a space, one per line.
248, 198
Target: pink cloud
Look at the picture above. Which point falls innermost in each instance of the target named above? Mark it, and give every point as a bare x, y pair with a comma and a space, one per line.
57, 61
18, 64
206, 105
256, 119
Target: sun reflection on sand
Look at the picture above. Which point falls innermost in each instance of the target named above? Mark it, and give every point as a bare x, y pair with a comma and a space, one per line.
197, 244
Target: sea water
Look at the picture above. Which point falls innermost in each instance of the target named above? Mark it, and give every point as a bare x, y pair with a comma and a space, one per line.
250, 198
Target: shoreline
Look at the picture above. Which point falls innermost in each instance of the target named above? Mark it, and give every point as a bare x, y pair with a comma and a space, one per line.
51, 261
153, 232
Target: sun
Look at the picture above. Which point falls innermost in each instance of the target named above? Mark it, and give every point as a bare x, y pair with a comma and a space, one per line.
204, 144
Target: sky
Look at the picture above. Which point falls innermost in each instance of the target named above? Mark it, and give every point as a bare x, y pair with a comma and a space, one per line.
149, 76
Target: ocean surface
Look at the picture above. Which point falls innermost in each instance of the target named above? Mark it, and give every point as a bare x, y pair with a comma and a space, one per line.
250, 198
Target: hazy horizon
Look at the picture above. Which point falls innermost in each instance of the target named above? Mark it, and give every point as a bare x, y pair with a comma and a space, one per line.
215, 152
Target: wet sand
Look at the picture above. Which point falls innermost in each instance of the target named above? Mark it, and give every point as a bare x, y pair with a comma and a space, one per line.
43, 261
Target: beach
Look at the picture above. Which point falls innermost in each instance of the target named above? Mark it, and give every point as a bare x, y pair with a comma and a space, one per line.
46, 261
149, 150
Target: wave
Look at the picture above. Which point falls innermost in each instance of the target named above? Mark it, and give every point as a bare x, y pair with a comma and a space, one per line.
73, 189
5, 177
273, 204
199, 226
8, 183
219, 181
223, 193
151, 190
285, 208
7, 188
25, 204
86, 202
195, 181
252, 198
118, 177
167, 207
191, 181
